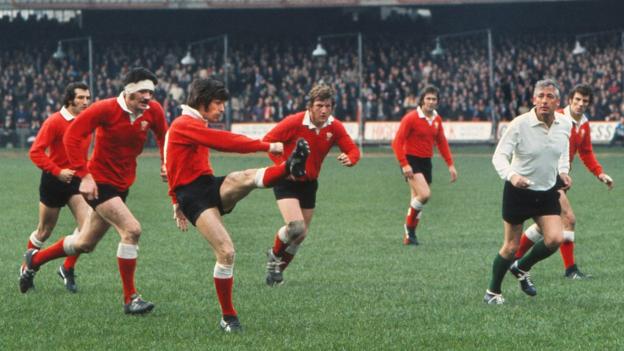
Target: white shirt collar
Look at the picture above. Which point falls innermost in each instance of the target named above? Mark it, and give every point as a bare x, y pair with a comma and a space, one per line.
189, 111
535, 121
421, 114
307, 122
66, 114
121, 100
583, 120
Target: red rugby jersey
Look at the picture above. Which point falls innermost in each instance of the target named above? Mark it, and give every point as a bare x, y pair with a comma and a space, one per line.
50, 137
580, 140
187, 153
118, 141
298, 125
416, 137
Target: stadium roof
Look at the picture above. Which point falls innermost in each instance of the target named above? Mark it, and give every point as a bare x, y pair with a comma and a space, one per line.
231, 4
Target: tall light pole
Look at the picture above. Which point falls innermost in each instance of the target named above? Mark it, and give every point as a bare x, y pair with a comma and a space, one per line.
188, 60
438, 51
579, 49
59, 54
320, 52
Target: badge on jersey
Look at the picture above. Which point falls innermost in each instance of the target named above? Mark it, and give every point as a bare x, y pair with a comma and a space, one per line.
329, 136
144, 125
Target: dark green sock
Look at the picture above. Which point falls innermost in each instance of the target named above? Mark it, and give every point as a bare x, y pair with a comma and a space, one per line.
538, 252
499, 269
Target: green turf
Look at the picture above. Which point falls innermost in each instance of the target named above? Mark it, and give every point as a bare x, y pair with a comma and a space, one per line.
353, 286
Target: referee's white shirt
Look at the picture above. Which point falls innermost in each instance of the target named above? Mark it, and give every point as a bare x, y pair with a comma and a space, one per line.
531, 149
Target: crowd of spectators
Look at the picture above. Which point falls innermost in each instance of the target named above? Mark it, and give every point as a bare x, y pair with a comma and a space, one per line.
268, 78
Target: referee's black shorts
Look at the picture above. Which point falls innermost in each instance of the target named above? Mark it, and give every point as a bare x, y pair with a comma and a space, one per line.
421, 165
522, 204
305, 192
54, 193
200, 195
560, 185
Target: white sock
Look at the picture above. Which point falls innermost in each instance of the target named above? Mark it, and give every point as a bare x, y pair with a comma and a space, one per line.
222, 271
127, 251
533, 234
33, 239
417, 205
68, 245
259, 177
282, 234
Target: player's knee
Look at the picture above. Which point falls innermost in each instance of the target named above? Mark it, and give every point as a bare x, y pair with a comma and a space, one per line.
553, 241
240, 178
295, 230
509, 249
132, 233
84, 246
226, 255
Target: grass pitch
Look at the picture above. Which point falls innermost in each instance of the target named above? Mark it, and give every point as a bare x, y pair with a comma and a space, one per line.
353, 285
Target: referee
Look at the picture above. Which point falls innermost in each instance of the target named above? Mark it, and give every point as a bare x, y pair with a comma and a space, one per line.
529, 156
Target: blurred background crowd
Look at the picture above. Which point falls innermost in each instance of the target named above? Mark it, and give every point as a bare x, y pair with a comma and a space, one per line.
269, 74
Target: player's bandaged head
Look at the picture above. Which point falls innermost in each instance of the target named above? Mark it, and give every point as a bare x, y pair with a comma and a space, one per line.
139, 78
138, 86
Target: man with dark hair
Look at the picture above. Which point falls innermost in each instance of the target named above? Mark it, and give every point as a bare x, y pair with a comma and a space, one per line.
59, 185
200, 197
121, 126
579, 100
529, 155
413, 143
296, 196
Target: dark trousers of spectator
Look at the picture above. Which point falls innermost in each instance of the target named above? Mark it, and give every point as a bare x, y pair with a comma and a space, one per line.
22, 136
617, 138
8, 138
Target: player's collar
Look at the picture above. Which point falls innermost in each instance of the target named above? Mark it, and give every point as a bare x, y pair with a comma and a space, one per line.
421, 113
66, 114
121, 100
583, 120
189, 111
307, 122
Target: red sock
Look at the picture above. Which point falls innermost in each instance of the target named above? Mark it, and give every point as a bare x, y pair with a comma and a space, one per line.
286, 258
48, 254
224, 292
127, 267
279, 246
70, 261
274, 174
30, 245
567, 253
525, 245
411, 220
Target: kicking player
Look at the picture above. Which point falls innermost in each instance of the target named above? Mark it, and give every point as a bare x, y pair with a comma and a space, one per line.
296, 197
579, 100
529, 155
121, 125
59, 185
200, 197
418, 132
